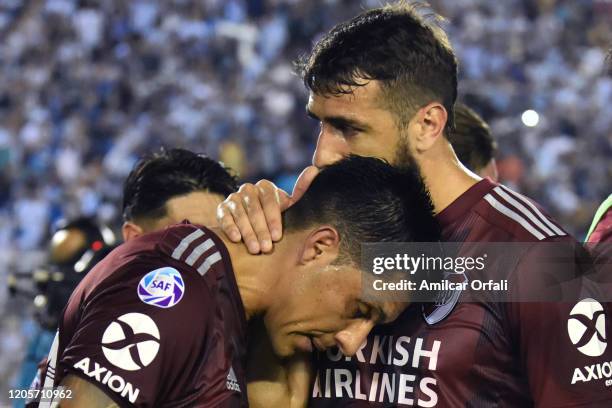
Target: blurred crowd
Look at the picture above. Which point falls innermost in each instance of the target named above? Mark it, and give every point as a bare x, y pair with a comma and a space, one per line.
88, 86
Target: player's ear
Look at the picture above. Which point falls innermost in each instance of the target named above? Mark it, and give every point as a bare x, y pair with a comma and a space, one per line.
428, 124
129, 230
322, 244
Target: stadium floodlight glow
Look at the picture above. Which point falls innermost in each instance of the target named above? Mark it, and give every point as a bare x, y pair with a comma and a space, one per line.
530, 118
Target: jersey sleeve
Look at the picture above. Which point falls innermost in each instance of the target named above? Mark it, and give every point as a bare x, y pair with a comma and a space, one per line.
560, 339
139, 337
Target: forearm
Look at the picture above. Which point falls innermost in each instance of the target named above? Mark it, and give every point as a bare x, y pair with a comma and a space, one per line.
273, 382
285, 383
85, 394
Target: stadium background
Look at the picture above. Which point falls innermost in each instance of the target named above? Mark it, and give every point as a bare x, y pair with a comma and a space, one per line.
86, 87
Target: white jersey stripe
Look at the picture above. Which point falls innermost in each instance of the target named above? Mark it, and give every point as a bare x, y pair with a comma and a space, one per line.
198, 251
208, 262
514, 216
184, 244
524, 211
535, 209
49, 380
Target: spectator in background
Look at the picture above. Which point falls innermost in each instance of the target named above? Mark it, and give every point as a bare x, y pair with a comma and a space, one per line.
473, 142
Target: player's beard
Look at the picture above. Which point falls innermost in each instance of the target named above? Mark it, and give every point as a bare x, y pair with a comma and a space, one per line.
403, 156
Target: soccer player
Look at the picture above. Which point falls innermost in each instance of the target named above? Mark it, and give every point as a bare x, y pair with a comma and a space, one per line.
170, 186
600, 230
161, 321
384, 84
473, 142
162, 189
601, 227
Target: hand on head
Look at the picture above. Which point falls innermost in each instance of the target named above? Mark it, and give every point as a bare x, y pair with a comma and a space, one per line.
253, 214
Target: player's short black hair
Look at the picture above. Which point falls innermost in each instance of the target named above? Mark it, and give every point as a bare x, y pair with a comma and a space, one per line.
367, 200
472, 139
399, 45
161, 176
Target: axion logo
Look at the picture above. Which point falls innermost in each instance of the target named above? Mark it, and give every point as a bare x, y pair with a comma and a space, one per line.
586, 327
104, 376
131, 342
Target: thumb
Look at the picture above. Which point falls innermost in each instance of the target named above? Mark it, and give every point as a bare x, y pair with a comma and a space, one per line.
302, 183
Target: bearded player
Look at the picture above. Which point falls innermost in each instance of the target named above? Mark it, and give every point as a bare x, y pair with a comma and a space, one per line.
384, 84
162, 320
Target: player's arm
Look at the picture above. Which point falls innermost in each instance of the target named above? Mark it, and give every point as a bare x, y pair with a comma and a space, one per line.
288, 385
273, 382
253, 214
84, 394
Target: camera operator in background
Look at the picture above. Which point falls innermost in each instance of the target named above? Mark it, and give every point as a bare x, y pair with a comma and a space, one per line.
75, 247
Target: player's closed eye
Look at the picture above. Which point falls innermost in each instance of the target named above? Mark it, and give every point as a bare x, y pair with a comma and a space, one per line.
361, 311
347, 131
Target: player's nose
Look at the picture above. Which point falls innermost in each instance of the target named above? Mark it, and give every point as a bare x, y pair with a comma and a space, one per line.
329, 150
353, 336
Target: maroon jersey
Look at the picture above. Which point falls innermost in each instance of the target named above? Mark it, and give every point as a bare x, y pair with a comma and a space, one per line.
480, 354
159, 322
603, 229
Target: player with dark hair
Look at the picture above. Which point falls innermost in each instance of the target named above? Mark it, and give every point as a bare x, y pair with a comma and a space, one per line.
163, 188
161, 321
473, 142
169, 186
384, 84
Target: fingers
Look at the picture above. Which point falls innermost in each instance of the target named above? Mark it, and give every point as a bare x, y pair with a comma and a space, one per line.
242, 215
270, 198
235, 222
256, 219
253, 214
225, 218
302, 183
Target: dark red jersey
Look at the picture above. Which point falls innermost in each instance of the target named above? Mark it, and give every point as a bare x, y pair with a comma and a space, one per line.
601, 230
159, 322
481, 354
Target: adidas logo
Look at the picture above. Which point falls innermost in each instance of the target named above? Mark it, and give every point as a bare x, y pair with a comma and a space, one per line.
232, 381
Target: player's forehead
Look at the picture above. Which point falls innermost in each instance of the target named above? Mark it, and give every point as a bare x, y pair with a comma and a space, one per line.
355, 104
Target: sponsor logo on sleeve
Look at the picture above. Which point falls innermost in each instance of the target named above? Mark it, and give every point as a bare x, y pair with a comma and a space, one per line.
131, 342
163, 287
106, 377
586, 327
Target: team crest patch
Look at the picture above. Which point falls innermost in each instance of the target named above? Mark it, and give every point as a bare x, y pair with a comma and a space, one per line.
163, 287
